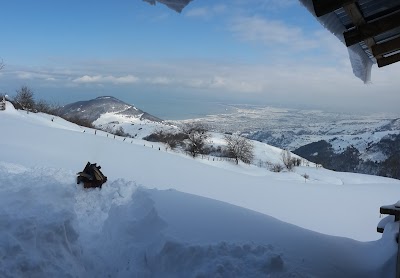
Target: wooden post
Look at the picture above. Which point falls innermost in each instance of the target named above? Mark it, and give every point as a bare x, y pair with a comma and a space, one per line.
393, 210
398, 255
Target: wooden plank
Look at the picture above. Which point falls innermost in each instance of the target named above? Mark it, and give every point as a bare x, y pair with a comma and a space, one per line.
372, 29
355, 14
353, 11
385, 61
386, 47
390, 210
398, 255
323, 7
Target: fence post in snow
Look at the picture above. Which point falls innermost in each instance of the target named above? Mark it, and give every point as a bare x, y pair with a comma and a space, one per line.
392, 210
3, 104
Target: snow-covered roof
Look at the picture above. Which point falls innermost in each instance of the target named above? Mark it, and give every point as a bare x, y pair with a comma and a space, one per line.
369, 28
176, 5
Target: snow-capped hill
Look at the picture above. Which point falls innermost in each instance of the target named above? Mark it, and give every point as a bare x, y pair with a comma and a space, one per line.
94, 108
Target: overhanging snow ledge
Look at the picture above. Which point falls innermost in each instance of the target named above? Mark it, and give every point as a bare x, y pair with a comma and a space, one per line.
176, 5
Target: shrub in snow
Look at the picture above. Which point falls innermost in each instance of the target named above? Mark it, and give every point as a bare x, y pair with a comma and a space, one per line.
24, 98
171, 139
121, 132
44, 107
287, 160
239, 148
275, 264
197, 135
79, 121
275, 167
215, 151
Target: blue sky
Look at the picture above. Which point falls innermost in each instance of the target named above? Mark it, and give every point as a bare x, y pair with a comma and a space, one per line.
268, 52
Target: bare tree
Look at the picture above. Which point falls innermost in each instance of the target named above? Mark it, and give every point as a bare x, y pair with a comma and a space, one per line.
275, 167
43, 106
25, 99
287, 160
197, 135
239, 148
171, 138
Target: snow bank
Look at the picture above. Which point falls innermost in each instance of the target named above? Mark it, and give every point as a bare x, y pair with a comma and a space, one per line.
52, 227
325, 199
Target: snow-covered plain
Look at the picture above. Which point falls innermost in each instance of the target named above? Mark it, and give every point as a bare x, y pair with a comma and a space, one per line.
164, 214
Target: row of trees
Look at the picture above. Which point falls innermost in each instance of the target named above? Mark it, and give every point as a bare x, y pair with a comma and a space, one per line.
25, 100
194, 139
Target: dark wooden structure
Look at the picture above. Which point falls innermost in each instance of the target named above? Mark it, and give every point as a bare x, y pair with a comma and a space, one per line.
3, 104
395, 211
91, 176
374, 24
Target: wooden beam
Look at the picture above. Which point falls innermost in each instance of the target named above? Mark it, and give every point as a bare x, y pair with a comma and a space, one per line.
372, 29
355, 14
322, 7
353, 11
385, 61
386, 47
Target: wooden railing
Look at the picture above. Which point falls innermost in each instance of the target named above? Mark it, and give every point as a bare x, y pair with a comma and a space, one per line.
394, 212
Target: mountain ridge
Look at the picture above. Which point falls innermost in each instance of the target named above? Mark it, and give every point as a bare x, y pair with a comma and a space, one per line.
93, 109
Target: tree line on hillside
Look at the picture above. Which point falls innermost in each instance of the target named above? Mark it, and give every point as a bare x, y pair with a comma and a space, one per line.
194, 139
350, 159
24, 99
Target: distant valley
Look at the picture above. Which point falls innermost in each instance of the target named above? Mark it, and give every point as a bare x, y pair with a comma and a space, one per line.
367, 144
341, 142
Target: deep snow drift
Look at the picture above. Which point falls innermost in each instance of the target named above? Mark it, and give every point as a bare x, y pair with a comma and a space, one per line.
52, 227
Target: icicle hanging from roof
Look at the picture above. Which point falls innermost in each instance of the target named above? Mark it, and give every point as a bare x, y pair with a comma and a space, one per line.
360, 61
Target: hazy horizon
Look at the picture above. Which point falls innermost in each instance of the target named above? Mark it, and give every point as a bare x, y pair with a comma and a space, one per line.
268, 52
187, 108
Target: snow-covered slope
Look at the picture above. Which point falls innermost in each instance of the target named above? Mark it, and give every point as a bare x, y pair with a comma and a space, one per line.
202, 218
294, 129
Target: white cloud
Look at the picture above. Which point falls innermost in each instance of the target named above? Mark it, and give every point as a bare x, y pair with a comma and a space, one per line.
206, 12
30, 75
98, 79
306, 83
267, 5
271, 33
160, 80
